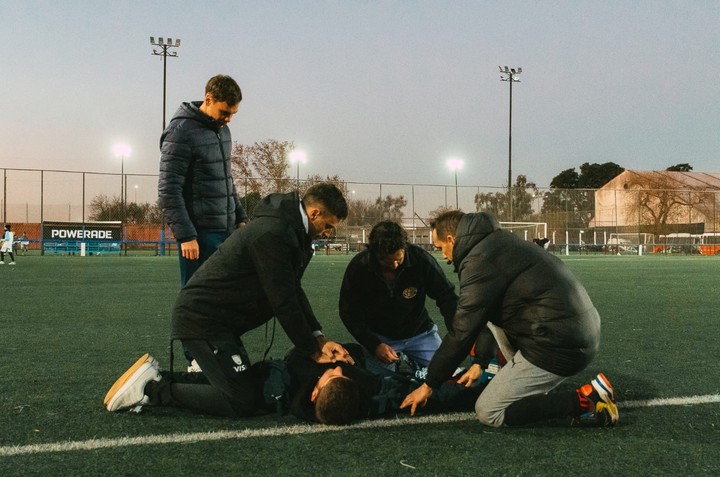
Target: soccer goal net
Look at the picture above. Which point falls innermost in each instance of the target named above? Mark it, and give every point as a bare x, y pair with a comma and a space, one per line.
526, 230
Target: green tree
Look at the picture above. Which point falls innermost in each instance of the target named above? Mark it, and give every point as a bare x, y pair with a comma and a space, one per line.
496, 203
105, 208
570, 202
684, 167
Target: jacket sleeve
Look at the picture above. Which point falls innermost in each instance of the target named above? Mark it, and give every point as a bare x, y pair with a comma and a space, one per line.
175, 164
481, 292
274, 259
440, 289
485, 348
352, 308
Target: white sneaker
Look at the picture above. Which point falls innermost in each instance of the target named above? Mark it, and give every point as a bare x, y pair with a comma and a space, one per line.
2, 263
12, 263
129, 390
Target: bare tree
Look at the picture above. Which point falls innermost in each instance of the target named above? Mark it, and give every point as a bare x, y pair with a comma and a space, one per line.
661, 201
262, 167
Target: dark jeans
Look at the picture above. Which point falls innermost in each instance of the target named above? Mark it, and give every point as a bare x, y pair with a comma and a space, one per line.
208, 242
228, 386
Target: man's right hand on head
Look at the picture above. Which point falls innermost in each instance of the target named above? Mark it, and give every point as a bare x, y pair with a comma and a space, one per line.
190, 250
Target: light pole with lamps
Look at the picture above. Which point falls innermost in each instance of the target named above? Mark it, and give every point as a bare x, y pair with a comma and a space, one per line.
511, 76
297, 157
455, 164
162, 50
121, 151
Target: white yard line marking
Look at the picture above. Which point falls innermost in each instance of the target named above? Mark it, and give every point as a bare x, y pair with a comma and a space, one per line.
304, 429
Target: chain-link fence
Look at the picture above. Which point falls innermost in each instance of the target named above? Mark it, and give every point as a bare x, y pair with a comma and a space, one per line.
574, 220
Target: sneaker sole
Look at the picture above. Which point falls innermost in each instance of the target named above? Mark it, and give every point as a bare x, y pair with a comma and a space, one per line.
123, 380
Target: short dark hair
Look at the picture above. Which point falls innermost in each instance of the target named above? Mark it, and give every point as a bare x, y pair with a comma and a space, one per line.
7, 226
386, 238
224, 89
446, 223
329, 196
338, 402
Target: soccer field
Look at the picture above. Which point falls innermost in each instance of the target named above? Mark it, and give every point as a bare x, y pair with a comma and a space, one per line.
70, 326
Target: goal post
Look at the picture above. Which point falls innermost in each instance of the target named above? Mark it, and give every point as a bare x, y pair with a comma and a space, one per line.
526, 230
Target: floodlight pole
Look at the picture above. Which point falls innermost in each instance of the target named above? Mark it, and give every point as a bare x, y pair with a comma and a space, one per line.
511, 76
164, 46
455, 164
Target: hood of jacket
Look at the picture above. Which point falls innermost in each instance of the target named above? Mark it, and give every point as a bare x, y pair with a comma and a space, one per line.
471, 230
191, 111
284, 206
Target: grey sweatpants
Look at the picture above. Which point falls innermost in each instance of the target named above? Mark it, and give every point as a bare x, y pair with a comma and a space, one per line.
516, 380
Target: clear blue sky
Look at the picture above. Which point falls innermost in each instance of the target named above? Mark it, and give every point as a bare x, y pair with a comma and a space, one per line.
371, 90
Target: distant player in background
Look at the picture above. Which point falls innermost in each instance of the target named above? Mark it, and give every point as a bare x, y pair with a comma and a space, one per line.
541, 315
382, 299
7, 246
24, 242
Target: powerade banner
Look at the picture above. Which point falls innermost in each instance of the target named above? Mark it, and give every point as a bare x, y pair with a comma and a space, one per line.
79, 232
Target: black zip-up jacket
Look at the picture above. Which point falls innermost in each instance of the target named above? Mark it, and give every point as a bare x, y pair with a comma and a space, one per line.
368, 305
195, 187
254, 275
528, 292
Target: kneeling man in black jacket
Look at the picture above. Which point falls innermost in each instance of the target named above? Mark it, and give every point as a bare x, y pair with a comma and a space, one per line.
542, 319
254, 276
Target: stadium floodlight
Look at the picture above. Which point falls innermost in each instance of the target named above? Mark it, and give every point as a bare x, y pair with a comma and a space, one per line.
297, 157
511, 76
122, 150
454, 164
163, 50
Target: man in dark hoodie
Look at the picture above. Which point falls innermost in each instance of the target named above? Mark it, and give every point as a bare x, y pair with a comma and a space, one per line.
195, 189
255, 275
541, 316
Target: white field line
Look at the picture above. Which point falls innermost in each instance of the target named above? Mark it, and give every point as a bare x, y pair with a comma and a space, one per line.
300, 429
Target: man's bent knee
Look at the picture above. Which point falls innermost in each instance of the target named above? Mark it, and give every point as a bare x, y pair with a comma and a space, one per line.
492, 418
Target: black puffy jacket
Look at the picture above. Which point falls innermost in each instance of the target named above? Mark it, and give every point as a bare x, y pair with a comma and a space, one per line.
254, 275
528, 292
195, 188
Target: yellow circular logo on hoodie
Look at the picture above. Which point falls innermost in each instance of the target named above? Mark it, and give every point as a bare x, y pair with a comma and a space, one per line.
409, 293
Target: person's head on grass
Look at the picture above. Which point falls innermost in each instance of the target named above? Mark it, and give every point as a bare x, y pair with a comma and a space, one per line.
336, 398
387, 243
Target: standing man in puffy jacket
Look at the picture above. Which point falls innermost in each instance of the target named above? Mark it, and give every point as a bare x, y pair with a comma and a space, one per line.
196, 189
542, 319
